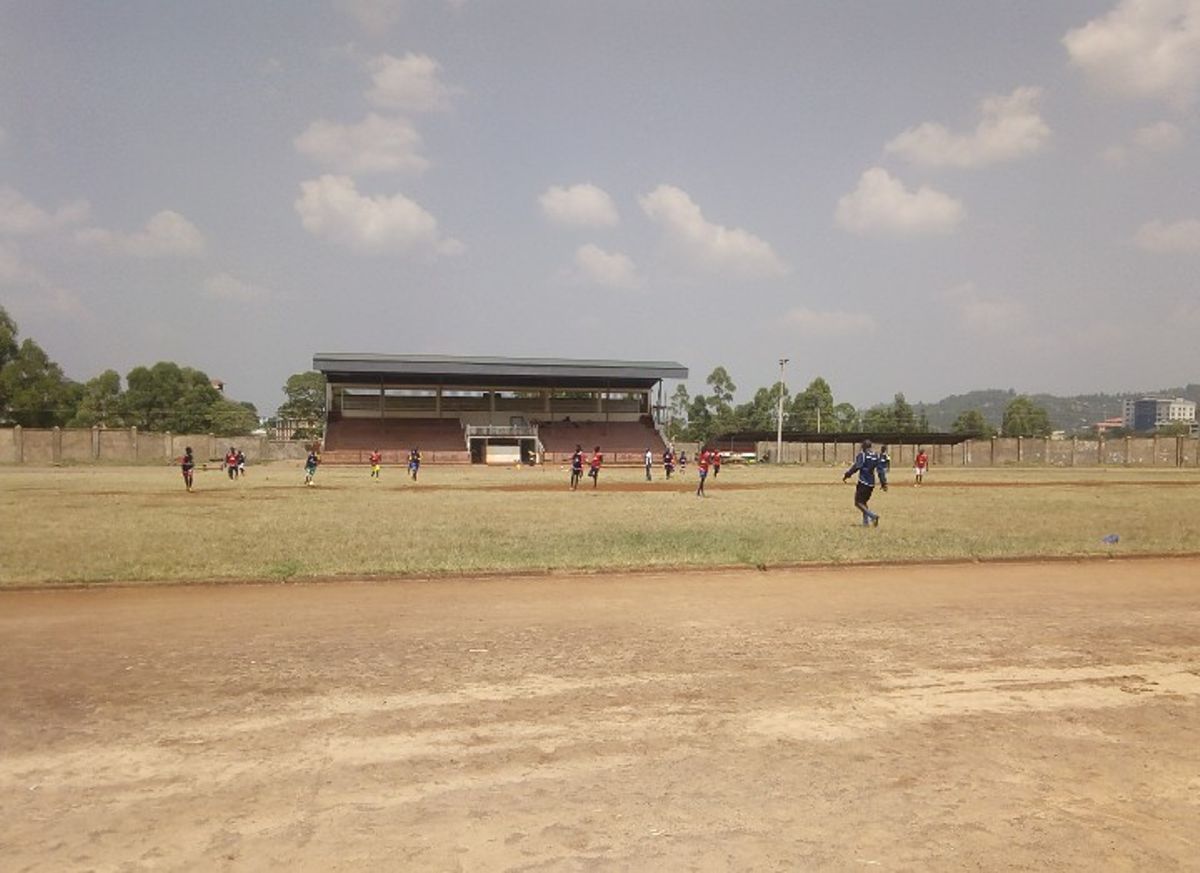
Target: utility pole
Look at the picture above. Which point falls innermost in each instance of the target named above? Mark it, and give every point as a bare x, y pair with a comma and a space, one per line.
779, 431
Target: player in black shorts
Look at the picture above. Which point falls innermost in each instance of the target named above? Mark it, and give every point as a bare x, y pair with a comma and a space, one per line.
866, 464
576, 467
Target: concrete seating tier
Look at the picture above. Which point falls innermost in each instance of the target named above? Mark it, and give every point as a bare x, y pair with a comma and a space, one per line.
392, 458
621, 442
396, 434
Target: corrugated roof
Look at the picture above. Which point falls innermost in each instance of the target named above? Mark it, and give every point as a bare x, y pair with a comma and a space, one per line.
493, 369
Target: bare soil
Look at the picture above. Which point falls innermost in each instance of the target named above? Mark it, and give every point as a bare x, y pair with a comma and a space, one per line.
966, 717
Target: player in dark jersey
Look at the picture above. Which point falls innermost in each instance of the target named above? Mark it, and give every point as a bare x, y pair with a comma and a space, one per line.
669, 462
866, 464
576, 466
702, 462
310, 467
414, 463
187, 464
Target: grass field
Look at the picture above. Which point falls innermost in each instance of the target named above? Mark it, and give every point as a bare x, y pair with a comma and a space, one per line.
100, 524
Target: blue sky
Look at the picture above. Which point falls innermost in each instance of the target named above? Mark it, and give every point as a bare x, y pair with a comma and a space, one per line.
925, 198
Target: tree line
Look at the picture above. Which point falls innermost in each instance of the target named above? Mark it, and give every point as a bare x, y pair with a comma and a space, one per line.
34, 392
705, 416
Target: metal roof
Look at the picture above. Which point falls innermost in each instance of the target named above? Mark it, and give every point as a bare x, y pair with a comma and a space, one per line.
460, 370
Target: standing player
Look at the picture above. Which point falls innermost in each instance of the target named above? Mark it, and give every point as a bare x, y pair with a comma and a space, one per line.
594, 470
187, 464
682, 463
885, 460
310, 467
241, 463
702, 462
576, 466
866, 464
376, 463
920, 465
414, 463
231, 462
669, 462
649, 462
716, 462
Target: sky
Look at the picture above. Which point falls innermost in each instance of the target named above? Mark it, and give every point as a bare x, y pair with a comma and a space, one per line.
924, 198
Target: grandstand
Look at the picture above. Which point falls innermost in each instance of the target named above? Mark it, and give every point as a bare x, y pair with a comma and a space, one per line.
491, 410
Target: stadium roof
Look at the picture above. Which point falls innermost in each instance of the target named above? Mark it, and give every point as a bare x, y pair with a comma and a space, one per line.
499, 372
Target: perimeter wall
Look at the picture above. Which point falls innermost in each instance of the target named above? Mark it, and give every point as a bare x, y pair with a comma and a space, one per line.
19, 445
1151, 451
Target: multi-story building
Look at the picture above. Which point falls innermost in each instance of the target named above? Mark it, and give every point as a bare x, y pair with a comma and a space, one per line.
1151, 413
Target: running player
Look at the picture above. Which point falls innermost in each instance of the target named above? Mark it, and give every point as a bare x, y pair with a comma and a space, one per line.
376, 462
241, 463
702, 462
682, 463
866, 464
310, 467
576, 466
594, 470
669, 462
187, 464
649, 459
920, 465
716, 462
414, 463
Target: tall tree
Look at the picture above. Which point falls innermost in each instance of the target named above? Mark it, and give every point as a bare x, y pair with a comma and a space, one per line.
722, 386
971, 423
100, 403
170, 397
231, 418
8, 337
845, 418
1023, 417
903, 418
677, 412
34, 390
812, 408
305, 394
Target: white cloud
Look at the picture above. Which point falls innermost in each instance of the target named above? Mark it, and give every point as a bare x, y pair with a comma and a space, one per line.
594, 266
816, 324
223, 286
583, 205
409, 83
1009, 129
1161, 137
19, 216
1142, 48
374, 16
709, 246
1174, 238
331, 207
882, 204
166, 235
374, 145
986, 315
33, 289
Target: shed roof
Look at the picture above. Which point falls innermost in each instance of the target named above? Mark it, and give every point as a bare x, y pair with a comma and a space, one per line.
423, 369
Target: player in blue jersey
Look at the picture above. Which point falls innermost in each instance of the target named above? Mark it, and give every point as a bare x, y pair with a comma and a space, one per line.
866, 464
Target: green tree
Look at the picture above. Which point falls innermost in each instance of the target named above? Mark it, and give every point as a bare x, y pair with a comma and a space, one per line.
812, 408
233, 418
100, 402
845, 418
8, 337
879, 419
904, 419
762, 413
1023, 417
677, 412
34, 390
722, 387
170, 397
699, 420
305, 394
971, 423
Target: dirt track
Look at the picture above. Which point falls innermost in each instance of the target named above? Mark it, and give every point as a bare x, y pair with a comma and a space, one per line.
1015, 717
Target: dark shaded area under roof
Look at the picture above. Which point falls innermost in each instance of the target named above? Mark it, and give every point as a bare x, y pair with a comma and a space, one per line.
371, 369
881, 438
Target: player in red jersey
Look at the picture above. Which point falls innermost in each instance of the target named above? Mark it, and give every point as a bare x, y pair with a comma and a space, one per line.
187, 464
376, 461
920, 465
594, 470
715, 457
702, 461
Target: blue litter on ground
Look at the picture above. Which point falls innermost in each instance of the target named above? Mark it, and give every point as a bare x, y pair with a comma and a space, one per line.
1111, 539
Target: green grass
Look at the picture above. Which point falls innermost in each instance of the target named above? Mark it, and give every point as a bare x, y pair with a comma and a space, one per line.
98, 524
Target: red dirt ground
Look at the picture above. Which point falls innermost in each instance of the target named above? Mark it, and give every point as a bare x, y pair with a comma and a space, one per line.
1008, 717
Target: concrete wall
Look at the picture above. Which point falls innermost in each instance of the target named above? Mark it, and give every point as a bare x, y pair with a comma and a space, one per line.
129, 446
1009, 451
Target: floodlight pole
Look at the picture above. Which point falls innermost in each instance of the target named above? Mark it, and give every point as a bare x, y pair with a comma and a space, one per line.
779, 430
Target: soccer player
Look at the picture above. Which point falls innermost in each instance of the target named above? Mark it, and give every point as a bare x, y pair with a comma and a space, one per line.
682, 463
310, 467
414, 463
231, 462
866, 464
576, 466
920, 465
594, 470
649, 462
669, 462
885, 460
702, 468
241, 463
376, 462
716, 462
187, 465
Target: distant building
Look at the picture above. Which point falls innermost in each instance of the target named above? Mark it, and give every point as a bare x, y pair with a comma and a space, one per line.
1151, 413
1103, 427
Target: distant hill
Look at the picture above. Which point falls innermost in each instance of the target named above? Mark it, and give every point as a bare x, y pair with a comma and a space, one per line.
1073, 414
